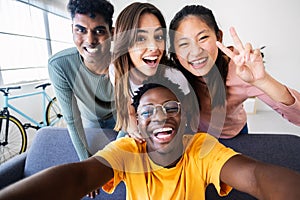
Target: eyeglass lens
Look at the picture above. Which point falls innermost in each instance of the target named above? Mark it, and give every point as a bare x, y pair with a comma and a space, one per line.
170, 108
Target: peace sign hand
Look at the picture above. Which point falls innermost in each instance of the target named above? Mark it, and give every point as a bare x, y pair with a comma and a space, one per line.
249, 62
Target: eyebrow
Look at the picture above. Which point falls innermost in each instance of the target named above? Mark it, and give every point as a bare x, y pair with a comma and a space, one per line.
150, 103
95, 28
201, 32
145, 30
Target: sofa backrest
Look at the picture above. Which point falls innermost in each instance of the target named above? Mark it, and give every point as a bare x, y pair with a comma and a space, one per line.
279, 149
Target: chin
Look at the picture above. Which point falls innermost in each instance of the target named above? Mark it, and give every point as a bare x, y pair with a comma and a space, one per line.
151, 72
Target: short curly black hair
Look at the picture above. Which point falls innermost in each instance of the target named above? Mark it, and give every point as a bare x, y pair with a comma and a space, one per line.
155, 82
91, 8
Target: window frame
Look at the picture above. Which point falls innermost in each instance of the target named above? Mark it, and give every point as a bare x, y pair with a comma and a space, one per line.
13, 75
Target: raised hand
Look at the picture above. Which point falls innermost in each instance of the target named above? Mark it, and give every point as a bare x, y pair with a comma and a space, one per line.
132, 128
249, 61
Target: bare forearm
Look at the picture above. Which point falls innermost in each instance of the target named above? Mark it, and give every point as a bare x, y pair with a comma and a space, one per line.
276, 182
69, 181
55, 183
264, 181
274, 89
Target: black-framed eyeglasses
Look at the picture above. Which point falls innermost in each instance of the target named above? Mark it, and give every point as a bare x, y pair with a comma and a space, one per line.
169, 108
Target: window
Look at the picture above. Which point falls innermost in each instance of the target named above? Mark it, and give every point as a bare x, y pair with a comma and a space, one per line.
60, 36
26, 41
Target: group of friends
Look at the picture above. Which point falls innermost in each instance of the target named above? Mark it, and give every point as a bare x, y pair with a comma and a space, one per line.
168, 106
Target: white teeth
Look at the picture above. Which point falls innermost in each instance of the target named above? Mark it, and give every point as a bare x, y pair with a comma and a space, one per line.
92, 50
162, 130
197, 62
151, 57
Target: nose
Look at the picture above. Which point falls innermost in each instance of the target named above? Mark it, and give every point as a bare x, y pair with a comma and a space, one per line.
91, 38
196, 49
152, 45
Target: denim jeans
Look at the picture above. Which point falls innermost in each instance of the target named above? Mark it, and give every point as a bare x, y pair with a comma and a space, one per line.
104, 124
108, 123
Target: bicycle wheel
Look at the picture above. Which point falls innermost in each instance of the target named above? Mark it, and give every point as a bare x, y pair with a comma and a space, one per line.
53, 114
16, 141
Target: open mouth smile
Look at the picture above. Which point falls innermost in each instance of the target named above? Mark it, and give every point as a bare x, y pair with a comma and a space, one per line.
198, 63
151, 60
163, 135
91, 50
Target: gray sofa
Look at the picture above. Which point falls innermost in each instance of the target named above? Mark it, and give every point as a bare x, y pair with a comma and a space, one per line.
52, 146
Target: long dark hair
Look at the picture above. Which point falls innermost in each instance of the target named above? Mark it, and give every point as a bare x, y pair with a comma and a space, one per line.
219, 70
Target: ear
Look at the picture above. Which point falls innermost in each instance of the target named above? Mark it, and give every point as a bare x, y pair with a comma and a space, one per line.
220, 35
184, 111
192, 112
112, 32
137, 120
137, 125
184, 124
184, 118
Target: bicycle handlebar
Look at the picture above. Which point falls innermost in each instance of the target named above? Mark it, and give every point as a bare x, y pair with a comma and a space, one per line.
6, 90
43, 85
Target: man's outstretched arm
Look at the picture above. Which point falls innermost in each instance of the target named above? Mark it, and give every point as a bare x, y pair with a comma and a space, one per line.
262, 180
68, 181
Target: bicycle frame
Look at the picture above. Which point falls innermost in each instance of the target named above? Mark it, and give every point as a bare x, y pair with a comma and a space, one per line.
45, 97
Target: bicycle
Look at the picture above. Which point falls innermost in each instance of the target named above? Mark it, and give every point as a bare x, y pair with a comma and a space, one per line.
13, 136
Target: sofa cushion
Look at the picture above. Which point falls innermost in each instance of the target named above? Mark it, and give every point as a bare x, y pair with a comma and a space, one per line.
53, 146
